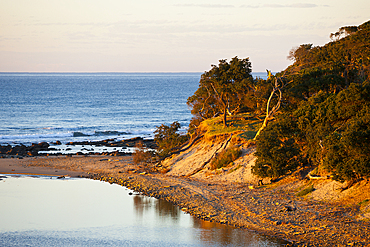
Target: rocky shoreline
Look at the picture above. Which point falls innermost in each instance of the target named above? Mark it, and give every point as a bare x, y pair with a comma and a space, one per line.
46, 149
273, 209
270, 211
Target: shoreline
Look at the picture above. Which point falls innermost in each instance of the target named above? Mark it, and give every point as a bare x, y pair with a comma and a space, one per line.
16, 166
271, 210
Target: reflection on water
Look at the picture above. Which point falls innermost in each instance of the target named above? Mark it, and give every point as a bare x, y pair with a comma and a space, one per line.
205, 231
45, 211
163, 209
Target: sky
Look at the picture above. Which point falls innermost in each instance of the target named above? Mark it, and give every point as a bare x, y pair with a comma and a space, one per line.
164, 35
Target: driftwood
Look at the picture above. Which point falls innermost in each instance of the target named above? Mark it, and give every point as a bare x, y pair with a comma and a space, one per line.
316, 177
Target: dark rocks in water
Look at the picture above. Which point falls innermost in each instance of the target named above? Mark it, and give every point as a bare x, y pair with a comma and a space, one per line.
79, 134
5, 149
113, 143
35, 148
22, 150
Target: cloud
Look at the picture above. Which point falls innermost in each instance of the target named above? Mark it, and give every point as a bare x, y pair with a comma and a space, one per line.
250, 6
294, 5
206, 5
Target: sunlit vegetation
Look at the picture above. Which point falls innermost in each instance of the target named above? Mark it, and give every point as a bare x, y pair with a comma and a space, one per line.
320, 105
168, 138
226, 158
141, 154
240, 125
306, 191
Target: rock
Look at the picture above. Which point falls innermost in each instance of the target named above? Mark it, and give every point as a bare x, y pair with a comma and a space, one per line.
290, 208
278, 222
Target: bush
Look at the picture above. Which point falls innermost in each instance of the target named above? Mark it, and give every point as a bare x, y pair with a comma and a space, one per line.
141, 154
167, 138
277, 150
225, 157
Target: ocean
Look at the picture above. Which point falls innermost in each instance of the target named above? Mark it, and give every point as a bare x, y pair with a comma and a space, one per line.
68, 107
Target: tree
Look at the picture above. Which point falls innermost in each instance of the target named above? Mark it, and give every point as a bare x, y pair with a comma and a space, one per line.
325, 115
299, 54
222, 89
343, 31
167, 138
277, 150
277, 89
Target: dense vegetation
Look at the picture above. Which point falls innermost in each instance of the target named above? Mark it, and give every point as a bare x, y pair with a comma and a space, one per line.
320, 106
168, 138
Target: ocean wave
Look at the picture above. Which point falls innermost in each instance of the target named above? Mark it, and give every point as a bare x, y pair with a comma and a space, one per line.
101, 133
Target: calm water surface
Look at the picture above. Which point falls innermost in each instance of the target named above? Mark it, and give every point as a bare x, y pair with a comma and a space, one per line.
46, 211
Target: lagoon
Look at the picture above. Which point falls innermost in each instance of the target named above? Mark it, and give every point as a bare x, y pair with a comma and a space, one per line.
47, 211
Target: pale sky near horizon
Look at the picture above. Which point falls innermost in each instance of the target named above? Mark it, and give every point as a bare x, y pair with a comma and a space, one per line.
166, 35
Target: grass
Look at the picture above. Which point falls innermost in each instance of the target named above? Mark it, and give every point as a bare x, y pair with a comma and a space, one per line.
242, 125
306, 191
226, 158
364, 202
235, 168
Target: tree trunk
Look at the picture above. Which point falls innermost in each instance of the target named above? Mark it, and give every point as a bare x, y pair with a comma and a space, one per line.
225, 115
262, 127
274, 109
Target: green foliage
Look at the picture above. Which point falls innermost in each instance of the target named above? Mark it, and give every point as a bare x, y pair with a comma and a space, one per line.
299, 54
346, 152
226, 157
223, 89
326, 113
306, 191
167, 138
238, 125
336, 131
277, 150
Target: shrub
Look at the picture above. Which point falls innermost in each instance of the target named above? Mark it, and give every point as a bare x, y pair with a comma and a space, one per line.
277, 150
141, 154
167, 138
225, 157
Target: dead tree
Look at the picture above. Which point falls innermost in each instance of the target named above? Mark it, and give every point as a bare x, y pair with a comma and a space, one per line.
277, 89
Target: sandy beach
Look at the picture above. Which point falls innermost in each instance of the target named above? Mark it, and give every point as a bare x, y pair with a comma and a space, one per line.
273, 210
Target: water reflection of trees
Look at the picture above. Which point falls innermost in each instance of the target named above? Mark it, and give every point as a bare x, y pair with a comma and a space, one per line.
214, 233
207, 232
163, 209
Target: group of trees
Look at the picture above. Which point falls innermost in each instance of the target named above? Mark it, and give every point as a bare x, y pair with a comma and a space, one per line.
321, 105
225, 89
325, 118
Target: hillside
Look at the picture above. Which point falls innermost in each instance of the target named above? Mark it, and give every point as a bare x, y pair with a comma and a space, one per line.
313, 115
194, 162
